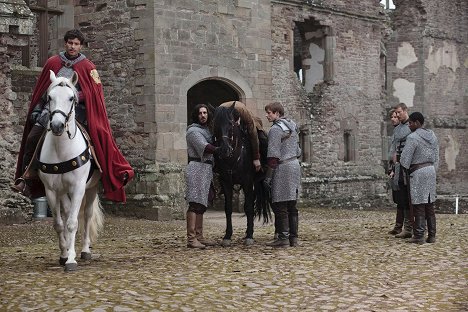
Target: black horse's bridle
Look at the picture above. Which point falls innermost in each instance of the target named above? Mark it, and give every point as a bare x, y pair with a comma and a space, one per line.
58, 111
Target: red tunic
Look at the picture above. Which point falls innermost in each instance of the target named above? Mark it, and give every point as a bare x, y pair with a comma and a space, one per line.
113, 163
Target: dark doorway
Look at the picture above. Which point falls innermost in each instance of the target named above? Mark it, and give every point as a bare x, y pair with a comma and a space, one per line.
212, 92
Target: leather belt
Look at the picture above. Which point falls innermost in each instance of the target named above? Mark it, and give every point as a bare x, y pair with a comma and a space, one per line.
287, 160
199, 160
415, 167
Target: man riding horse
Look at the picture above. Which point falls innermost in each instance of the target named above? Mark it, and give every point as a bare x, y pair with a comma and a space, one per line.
90, 111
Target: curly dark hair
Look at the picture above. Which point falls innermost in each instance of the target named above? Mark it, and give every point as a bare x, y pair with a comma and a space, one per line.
196, 110
74, 34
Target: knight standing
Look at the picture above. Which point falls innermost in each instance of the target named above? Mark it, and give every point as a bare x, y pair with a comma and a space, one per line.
199, 174
283, 175
420, 158
400, 134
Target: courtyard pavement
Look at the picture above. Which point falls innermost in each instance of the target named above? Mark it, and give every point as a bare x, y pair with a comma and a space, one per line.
346, 262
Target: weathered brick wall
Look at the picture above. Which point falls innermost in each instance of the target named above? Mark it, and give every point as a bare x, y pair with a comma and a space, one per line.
432, 35
354, 97
14, 34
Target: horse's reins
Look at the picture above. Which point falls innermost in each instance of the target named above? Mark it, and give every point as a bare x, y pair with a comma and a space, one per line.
67, 116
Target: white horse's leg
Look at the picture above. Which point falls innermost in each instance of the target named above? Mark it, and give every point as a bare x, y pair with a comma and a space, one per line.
54, 204
73, 204
91, 206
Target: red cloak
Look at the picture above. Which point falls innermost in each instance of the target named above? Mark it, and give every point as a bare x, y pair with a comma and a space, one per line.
113, 163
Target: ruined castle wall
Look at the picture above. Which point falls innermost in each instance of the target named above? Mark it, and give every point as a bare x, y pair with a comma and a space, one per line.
351, 101
427, 67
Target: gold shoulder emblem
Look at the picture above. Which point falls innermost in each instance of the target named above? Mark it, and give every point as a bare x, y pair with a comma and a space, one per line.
94, 74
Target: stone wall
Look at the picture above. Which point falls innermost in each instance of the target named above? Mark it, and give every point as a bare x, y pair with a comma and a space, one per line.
349, 102
15, 28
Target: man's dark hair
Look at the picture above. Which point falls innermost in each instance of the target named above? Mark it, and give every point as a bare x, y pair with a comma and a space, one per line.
196, 110
417, 116
74, 34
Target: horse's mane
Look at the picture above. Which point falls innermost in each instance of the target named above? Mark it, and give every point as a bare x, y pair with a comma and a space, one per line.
222, 114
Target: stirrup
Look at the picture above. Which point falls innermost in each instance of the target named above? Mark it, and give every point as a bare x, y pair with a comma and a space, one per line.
21, 187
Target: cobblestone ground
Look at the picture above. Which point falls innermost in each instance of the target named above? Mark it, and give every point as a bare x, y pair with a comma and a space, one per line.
346, 262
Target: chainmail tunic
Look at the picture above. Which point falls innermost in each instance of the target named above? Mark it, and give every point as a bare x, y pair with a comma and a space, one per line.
198, 174
400, 133
422, 147
283, 144
65, 71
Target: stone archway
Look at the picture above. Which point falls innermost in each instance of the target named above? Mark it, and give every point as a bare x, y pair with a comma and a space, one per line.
221, 76
212, 92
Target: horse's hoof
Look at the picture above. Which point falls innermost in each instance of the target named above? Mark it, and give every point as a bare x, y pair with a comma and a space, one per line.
226, 243
249, 241
85, 255
70, 267
62, 261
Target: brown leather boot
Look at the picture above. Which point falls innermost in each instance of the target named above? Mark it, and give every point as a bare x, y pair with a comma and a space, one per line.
407, 230
192, 241
199, 232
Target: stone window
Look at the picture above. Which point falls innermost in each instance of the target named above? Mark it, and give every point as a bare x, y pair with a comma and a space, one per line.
348, 147
314, 47
46, 24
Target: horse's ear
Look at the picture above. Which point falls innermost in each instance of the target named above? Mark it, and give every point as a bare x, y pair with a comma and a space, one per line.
52, 76
74, 79
233, 104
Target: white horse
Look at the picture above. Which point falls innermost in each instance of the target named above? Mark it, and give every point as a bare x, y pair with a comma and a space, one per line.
64, 167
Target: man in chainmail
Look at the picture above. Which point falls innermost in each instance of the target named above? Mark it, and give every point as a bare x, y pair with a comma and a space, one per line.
90, 111
199, 174
420, 158
394, 184
401, 195
283, 175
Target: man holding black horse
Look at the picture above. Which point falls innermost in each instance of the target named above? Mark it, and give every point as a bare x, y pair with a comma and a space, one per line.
199, 174
89, 111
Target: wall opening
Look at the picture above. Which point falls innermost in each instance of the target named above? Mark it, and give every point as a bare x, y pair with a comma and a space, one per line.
314, 46
213, 92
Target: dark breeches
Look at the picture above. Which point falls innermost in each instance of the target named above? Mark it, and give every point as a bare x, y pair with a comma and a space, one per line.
197, 208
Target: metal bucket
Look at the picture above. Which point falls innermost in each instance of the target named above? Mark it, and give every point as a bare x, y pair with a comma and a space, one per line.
40, 207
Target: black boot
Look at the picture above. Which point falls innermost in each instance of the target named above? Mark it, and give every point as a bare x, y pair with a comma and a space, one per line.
419, 225
431, 230
431, 224
281, 225
293, 229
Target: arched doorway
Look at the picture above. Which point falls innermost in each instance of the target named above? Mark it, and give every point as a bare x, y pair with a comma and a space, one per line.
213, 92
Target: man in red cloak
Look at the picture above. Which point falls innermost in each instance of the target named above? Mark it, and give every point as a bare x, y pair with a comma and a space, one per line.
116, 171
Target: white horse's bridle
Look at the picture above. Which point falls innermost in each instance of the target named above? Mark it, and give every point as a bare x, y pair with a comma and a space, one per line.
67, 116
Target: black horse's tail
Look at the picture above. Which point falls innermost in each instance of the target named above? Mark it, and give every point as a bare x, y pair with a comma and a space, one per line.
262, 207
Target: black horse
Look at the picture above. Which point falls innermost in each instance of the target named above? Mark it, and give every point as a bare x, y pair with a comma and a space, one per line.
234, 164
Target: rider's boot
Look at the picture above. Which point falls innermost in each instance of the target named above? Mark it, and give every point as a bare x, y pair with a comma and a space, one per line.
199, 231
21, 185
192, 241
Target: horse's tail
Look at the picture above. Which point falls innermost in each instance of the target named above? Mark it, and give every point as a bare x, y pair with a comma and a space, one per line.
97, 218
262, 207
